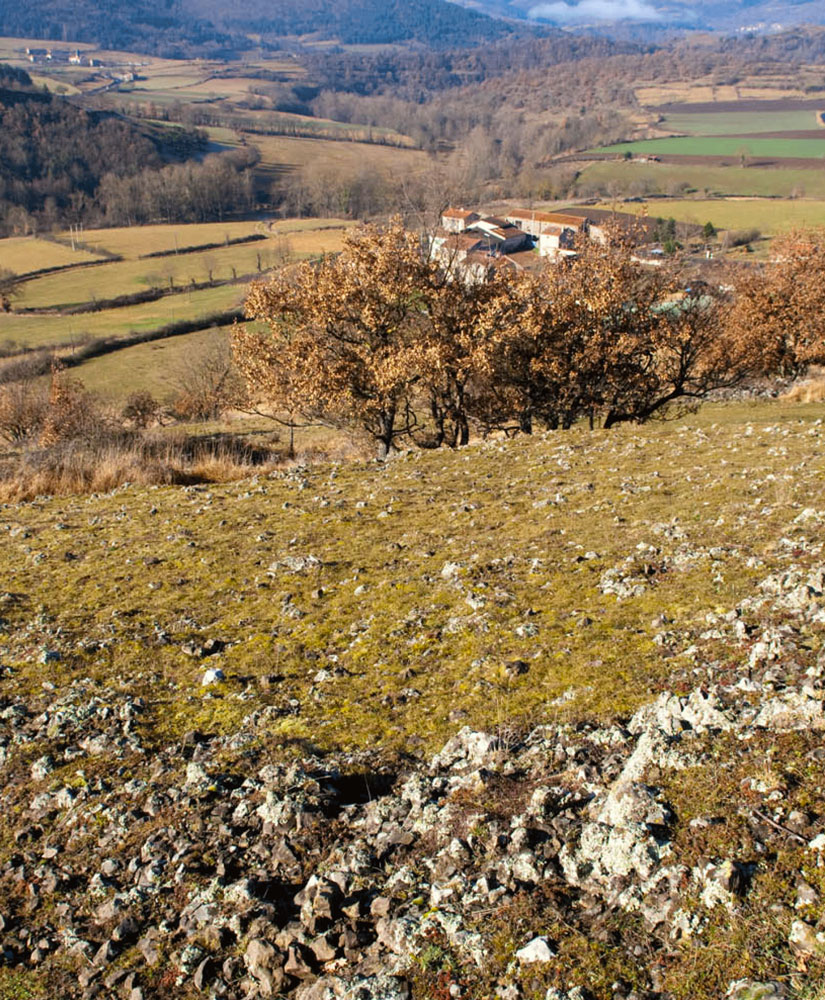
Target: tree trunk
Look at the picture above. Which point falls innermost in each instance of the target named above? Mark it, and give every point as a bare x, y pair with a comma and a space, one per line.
525, 422
386, 431
438, 419
462, 424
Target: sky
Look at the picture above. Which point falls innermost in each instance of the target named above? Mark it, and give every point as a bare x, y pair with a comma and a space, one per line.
587, 11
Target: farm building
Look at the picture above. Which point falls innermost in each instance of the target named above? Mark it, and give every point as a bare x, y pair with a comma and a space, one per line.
557, 240
456, 220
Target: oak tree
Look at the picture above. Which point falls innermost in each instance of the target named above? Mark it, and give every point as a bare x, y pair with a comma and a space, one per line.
342, 341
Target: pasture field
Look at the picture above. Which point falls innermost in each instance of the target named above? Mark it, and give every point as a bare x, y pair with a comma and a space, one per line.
132, 242
704, 91
154, 367
68, 288
668, 178
733, 146
23, 254
57, 330
287, 152
55, 85
709, 123
768, 215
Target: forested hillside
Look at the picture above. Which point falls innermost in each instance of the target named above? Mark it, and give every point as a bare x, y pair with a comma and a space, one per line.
61, 164
207, 27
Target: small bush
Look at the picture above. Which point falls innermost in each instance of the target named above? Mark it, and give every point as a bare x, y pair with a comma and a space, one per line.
742, 237
31, 365
141, 409
24, 407
73, 413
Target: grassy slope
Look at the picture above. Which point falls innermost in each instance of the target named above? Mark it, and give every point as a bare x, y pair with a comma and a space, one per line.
284, 151
155, 367
23, 254
741, 122
50, 330
133, 241
519, 518
666, 178
805, 149
72, 288
769, 216
294, 238
124, 277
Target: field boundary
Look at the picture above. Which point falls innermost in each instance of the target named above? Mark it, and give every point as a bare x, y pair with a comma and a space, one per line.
109, 345
132, 298
237, 241
43, 271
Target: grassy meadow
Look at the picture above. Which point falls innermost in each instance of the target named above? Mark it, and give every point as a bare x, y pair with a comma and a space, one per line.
149, 366
716, 145
741, 122
156, 367
68, 288
768, 215
287, 152
24, 254
132, 242
54, 330
629, 178
530, 526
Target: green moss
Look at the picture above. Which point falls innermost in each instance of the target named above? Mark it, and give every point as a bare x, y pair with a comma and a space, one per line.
491, 508
20, 984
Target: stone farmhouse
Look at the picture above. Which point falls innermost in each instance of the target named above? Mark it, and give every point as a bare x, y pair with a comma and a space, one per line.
520, 238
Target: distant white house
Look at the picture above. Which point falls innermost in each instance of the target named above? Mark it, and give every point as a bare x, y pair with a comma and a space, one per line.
456, 220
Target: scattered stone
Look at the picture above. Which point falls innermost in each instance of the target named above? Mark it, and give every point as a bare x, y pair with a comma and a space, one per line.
537, 950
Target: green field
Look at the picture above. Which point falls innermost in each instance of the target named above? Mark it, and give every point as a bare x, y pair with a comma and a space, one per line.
132, 242
148, 366
740, 122
631, 178
288, 152
135, 241
23, 254
125, 277
154, 367
768, 215
804, 149
49, 331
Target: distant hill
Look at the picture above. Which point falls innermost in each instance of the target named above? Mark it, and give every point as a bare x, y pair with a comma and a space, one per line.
212, 27
725, 15
54, 155
431, 22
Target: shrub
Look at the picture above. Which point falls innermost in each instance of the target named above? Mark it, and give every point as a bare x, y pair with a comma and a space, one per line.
73, 413
24, 407
141, 409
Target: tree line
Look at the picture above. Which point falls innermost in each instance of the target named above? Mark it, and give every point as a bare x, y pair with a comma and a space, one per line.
389, 342
61, 164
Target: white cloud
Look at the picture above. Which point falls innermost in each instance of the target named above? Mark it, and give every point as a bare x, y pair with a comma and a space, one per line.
595, 10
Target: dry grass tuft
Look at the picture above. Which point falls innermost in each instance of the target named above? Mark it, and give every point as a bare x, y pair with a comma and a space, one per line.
809, 390
101, 465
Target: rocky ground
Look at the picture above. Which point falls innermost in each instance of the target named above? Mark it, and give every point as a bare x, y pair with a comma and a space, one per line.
584, 761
